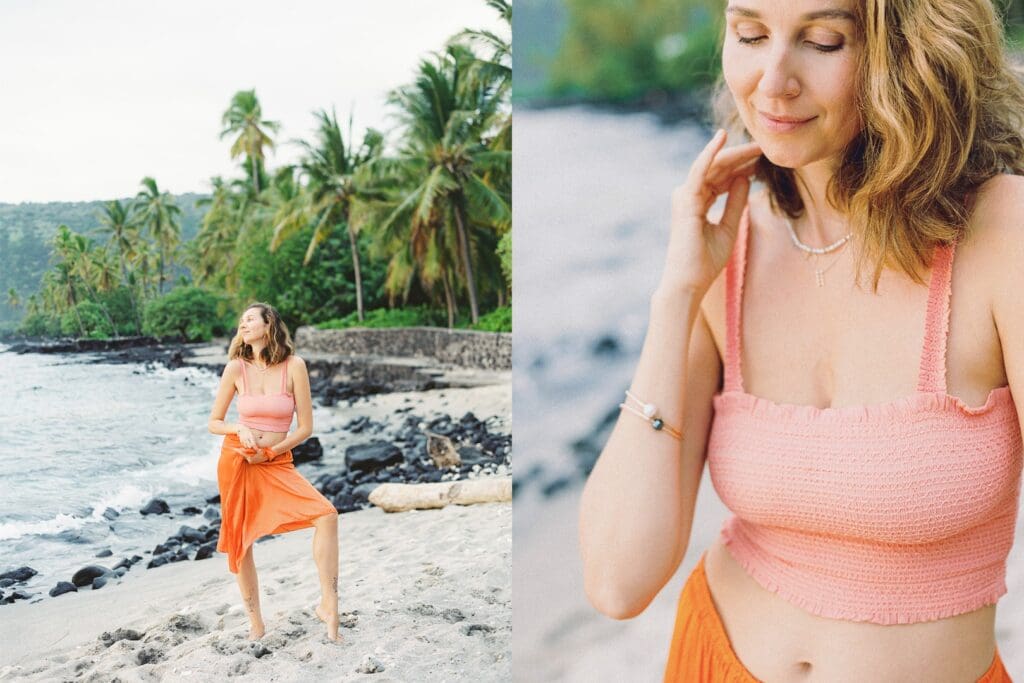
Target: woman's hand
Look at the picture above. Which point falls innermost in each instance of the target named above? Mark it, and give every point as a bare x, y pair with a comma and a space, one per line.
262, 455
255, 456
699, 249
246, 436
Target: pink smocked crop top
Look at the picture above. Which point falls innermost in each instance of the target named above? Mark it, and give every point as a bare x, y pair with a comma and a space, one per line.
894, 513
266, 412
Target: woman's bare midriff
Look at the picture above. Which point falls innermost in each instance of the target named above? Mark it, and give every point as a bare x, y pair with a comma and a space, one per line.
778, 641
267, 439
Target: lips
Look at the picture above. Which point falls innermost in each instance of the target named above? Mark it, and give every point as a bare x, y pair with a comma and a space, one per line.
783, 125
785, 119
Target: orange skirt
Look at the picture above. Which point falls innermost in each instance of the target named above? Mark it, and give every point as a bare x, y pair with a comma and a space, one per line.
261, 499
701, 652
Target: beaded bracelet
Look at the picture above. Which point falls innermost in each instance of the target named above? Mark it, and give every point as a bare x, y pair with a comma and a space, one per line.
649, 412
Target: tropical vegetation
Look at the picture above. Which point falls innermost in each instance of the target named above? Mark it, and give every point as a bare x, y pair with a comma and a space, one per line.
361, 229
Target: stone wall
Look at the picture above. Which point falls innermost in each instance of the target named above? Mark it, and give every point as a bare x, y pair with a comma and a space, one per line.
464, 348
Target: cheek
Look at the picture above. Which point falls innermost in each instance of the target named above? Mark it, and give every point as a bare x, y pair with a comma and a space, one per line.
840, 91
740, 77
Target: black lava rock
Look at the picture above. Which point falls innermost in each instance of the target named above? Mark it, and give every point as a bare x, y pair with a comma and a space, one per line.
63, 587
372, 456
309, 450
205, 551
19, 575
155, 507
85, 575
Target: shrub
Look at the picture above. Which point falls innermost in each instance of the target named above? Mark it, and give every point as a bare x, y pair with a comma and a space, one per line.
39, 325
420, 316
498, 320
94, 322
188, 312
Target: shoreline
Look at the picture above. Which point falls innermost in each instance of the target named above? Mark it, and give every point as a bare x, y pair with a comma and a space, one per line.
392, 420
424, 594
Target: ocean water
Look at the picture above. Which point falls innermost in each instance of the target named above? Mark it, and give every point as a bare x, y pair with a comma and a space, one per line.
79, 435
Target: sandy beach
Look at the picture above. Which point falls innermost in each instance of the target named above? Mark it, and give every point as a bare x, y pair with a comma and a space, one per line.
423, 595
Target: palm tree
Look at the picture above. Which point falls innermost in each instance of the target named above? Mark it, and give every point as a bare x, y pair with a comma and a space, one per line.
495, 70
331, 169
211, 254
120, 223
244, 119
158, 212
447, 159
92, 270
13, 299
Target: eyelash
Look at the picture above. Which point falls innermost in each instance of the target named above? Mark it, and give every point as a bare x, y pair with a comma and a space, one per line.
818, 47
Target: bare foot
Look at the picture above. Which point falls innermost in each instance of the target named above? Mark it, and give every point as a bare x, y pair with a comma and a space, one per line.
331, 619
256, 632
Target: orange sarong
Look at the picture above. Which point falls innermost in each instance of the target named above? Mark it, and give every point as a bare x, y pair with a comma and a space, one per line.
261, 499
701, 653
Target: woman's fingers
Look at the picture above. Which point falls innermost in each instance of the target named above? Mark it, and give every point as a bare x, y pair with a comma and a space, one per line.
700, 165
723, 181
731, 160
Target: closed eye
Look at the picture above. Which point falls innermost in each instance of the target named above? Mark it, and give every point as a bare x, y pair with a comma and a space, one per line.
817, 46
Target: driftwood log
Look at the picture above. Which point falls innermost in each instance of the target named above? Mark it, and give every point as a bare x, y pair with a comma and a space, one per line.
401, 497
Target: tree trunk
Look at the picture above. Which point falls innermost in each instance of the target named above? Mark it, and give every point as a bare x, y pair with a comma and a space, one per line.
359, 277
131, 292
255, 176
160, 279
474, 313
449, 301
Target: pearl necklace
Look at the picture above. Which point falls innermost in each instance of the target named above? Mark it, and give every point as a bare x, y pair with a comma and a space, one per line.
819, 273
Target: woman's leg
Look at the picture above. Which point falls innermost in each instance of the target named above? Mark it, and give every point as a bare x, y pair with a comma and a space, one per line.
249, 585
325, 553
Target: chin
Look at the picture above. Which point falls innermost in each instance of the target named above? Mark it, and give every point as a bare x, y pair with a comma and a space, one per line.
785, 155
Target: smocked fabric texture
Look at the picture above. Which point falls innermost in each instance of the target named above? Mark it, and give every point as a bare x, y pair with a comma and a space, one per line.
894, 513
269, 413
700, 651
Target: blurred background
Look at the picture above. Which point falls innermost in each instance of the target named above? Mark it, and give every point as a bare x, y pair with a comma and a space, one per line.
610, 109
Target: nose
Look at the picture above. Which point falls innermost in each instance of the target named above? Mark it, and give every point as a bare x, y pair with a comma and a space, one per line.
778, 78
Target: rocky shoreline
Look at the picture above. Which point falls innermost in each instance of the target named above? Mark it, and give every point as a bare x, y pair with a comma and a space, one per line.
396, 453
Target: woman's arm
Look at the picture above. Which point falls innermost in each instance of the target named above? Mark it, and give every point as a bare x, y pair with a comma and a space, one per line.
637, 506
636, 510
225, 392
303, 407
1000, 207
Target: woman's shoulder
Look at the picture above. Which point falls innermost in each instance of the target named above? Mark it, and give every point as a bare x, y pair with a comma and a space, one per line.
995, 227
294, 360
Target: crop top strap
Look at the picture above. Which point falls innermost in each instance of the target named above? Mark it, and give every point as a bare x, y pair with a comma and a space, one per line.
245, 380
284, 374
936, 326
734, 270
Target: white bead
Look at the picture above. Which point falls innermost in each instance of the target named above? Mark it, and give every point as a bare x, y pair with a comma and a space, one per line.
649, 409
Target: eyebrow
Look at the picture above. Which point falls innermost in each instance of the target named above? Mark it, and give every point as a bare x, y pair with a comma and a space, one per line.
810, 16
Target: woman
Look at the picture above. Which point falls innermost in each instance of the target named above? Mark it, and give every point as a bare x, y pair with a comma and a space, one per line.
872, 521
261, 492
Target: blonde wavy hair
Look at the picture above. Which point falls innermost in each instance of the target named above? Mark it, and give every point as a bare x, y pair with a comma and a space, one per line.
279, 344
942, 110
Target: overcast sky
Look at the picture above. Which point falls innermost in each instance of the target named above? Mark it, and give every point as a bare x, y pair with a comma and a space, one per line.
98, 94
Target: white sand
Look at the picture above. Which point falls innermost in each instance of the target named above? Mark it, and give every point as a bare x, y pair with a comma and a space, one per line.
402, 576
426, 593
